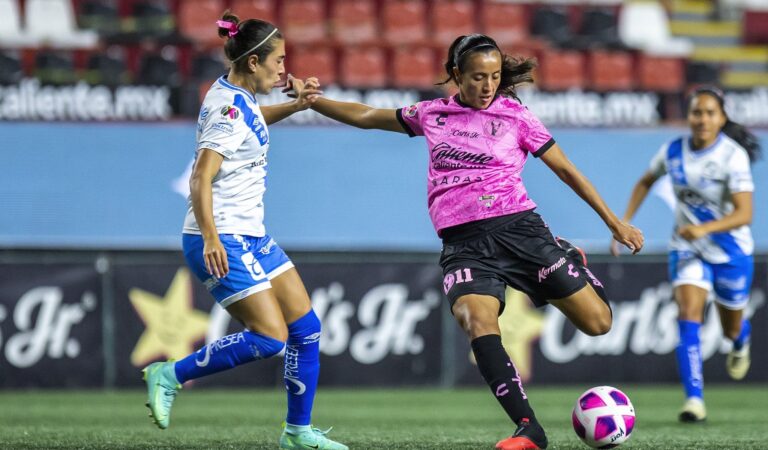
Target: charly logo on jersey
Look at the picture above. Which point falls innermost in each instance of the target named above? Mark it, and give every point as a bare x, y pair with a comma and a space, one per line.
230, 112
411, 111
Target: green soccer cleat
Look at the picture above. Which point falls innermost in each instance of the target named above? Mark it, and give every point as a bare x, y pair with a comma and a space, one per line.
313, 438
162, 388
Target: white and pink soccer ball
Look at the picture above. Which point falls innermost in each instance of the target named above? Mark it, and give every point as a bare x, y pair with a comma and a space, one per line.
603, 417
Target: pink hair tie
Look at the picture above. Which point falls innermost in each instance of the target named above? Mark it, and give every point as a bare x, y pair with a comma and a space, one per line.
230, 26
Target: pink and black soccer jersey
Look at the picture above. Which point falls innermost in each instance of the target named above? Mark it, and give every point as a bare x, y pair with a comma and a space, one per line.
476, 157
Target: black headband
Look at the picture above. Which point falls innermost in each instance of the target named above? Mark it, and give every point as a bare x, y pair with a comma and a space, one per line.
458, 54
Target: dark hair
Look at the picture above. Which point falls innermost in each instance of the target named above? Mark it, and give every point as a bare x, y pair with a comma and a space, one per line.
733, 130
514, 70
249, 34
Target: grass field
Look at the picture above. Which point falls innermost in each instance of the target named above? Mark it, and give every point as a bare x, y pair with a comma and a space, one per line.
364, 419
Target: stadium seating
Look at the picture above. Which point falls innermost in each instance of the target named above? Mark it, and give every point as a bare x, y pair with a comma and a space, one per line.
451, 19
413, 67
255, 9
660, 74
52, 23
55, 67
197, 21
755, 27
561, 70
610, 71
107, 67
404, 22
207, 66
363, 66
506, 23
551, 23
354, 21
317, 61
159, 68
10, 25
10, 68
645, 26
101, 16
151, 18
307, 26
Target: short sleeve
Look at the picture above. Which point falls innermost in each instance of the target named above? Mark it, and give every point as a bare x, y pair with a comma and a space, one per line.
533, 136
658, 166
410, 118
222, 129
740, 173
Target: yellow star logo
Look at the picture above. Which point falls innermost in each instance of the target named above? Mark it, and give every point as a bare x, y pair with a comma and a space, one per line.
173, 326
520, 325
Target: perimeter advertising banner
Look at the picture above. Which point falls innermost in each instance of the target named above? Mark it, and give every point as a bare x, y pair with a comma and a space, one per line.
381, 323
50, 326
384, 323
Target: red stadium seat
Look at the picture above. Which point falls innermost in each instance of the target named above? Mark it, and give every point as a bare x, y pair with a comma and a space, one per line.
413, 67
404, 21
197, 21
363, 67
755, 27
451, 19
303, 21
561, 70
611, 71
312, 61
660, 74
506, 23
255, 9
354, 21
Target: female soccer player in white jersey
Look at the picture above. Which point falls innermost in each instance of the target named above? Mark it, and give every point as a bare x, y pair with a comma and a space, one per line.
712, 245
225, 242
478, 142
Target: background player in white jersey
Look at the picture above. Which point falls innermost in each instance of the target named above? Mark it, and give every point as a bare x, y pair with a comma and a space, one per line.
225, 242
712, 245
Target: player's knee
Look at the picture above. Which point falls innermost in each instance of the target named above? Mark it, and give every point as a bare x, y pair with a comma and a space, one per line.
277, 330
599, 326
268, 346
307, 328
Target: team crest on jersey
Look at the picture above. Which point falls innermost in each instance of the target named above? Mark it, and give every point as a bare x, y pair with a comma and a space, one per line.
230, 112
411, 111
495, 128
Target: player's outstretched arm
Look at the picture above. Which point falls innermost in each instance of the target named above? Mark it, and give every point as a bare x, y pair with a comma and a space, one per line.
304, 92
623, 232
359, 115
639, 192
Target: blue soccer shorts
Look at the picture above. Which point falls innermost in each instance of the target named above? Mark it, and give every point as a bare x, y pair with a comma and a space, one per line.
253, 261
731, 281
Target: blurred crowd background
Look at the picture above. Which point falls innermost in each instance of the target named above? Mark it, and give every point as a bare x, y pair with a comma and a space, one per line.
599, 45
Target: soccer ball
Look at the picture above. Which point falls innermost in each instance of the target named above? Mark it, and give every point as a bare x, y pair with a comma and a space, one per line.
603, 417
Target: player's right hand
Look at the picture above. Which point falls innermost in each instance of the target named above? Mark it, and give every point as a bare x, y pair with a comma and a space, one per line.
215, 258
629, 236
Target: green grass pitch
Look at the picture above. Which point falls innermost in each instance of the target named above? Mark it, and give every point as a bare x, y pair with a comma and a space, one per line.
365, 419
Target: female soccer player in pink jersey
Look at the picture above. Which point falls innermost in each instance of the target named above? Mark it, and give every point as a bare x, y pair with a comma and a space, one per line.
478, 142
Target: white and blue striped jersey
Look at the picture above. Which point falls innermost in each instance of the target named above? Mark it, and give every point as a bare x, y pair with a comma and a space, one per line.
231, 124
704, 181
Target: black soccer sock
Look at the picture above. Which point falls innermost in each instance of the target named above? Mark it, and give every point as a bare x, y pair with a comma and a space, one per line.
502, 377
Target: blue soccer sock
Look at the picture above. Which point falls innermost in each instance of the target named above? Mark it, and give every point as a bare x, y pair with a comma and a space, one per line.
225, 353
302, 367
689, 360
746, 332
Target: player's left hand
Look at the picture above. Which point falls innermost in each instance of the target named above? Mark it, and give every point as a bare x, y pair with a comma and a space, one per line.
691, 232
305, 92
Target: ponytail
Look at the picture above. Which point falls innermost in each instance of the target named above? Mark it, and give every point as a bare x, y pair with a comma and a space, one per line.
733, 130
249, 37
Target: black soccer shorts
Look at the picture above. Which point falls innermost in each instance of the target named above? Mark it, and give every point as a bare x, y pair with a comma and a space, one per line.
516, 250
